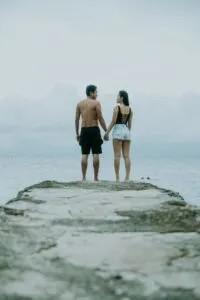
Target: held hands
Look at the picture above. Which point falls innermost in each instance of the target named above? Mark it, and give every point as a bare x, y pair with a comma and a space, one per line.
106, 137
78, 138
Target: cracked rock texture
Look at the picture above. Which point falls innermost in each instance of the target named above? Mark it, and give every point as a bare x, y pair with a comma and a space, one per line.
101, 241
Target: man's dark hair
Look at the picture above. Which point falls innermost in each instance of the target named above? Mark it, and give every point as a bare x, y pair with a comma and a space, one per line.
90, 89
124, 95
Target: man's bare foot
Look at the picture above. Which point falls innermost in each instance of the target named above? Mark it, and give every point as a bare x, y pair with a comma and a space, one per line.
84, 179
96, 179
117, 179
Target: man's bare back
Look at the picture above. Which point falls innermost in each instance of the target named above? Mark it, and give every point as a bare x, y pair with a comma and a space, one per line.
90, 111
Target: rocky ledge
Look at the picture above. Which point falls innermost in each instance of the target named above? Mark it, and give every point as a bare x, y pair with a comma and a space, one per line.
71, 241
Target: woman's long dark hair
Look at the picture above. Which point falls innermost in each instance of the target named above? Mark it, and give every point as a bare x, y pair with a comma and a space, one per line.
124, 95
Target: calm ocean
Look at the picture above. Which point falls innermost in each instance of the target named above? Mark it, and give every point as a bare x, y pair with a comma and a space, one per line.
182, 175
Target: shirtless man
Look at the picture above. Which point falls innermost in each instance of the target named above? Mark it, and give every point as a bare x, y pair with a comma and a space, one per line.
90, 137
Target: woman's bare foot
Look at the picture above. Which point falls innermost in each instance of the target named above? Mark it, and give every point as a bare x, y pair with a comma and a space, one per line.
127, 179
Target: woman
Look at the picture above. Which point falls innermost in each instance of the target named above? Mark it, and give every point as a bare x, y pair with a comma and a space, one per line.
121, 125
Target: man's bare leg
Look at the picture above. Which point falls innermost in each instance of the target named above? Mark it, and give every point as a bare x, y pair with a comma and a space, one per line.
84, 164
96, 166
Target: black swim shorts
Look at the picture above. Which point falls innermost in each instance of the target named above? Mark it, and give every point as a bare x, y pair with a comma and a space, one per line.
90, 139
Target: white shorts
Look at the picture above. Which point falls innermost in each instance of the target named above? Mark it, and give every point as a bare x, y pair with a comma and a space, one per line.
121, 132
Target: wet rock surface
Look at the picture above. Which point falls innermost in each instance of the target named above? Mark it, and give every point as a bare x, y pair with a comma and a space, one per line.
99, 241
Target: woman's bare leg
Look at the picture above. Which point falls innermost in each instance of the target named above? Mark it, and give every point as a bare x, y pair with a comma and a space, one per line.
126, 156
117, 144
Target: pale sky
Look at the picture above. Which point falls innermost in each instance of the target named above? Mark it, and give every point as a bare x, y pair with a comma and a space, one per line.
144, 46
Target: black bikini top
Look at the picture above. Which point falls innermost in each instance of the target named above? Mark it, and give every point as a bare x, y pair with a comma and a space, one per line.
120, 119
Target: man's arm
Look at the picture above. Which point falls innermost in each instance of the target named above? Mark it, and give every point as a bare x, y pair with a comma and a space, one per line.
77, 118
100, 117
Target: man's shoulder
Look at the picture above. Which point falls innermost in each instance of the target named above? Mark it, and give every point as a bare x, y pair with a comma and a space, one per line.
92, 103
81, 102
